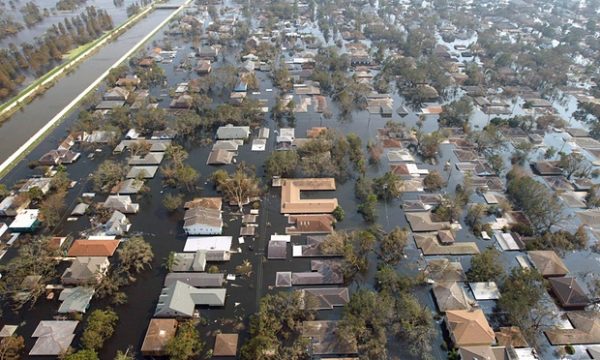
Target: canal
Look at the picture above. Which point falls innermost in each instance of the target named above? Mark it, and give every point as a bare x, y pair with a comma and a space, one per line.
25, 123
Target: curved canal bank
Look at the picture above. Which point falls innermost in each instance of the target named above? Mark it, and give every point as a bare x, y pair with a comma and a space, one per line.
27, 127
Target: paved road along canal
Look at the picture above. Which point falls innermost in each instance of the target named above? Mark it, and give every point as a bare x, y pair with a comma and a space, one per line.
25, 124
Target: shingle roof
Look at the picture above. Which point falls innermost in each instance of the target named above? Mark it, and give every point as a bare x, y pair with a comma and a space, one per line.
225, 345
93, 248
548, 263
469, 327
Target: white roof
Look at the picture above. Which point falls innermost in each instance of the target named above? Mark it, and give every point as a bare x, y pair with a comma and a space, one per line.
215, 243
506, 241
25, 219
285, 238
296, 250
259, 144
485, 290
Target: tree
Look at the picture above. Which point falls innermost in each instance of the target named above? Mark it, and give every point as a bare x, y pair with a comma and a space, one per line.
4, 192
456, 113
135, 255
365, 319
391, 247
176, 153
127, 355
172, 202
485, 266
415, 325
368, 208
541, 205
522, 292
85, 354
244, 269
100, 326
338, 213
52, 207
11, 347
108, 174
496, 163
429, 143
282, 163
574, 164
433, 181
240, 187
391, 282
186, 343
386, 187
560, 241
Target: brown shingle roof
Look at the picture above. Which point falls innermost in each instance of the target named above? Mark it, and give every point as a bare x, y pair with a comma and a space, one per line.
548, 263
469, 327
159, 332
291, 203
226, 345
568, 292
586, 329
93, 248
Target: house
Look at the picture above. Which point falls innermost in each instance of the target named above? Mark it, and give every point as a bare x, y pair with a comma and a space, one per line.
43, 184
480, 352
511, 337
469, 327
220, 157
548, 263
128, 187
323, 272
75, 300
485, 290
207, 243
422, 221
84, 270
116, 94
225, 345
54, 337
429, 245
292, 203
203, 221
153, 158
14, 204
128, 81
229, 132
547, 168
121, 203
144, 172
203, 67
196, 279
569, 293
93, 248
310, 224
585, 329
451, 296
214, 203
26, 221
208, 53
180, 300
186, 262
313, 248
59, 156
184, 101
117, 225
277, 249
158, 335
325, 298
326, 340
444, 270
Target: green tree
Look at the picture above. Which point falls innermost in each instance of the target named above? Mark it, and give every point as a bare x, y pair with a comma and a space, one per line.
108, 174
338, 213
433, 181
281, 163
386, 187
391, 246
172, 202
368, 208
85, 354
240, 187
186, 343
100, 326
485, 266
135, 255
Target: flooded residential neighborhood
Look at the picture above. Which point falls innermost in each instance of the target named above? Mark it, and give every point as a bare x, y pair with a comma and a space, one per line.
315, 179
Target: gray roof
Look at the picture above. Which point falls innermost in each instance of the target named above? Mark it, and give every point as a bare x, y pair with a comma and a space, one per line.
326, 298
277, 249
128, 186
190, 261
147, 172
118, 224
180, 299
197, 279
154, 158
80, 209
233, 132
53, 337
83, 269
75, 299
